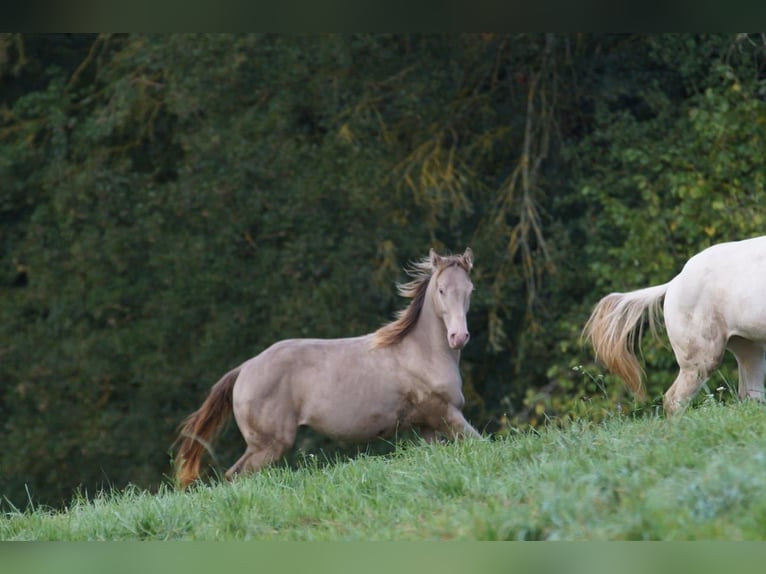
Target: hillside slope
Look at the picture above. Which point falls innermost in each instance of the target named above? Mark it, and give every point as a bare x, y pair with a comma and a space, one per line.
700, 476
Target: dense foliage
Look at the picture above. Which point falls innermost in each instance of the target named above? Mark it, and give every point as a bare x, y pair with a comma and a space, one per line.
173, 204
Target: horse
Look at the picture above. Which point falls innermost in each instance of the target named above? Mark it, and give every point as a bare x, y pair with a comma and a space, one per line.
715, 303
403, 376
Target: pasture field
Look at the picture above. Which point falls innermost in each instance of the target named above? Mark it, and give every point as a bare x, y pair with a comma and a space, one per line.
699, 476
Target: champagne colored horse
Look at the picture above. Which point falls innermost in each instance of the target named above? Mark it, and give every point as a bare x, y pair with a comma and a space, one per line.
717, 302
405, 375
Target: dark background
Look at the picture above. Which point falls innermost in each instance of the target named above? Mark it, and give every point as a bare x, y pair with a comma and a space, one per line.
171, 205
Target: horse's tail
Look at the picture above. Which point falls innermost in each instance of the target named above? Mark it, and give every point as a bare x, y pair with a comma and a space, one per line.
613, 326
200, 427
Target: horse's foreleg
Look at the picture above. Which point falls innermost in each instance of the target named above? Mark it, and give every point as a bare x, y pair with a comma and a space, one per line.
455, 425
752, 367
427, 434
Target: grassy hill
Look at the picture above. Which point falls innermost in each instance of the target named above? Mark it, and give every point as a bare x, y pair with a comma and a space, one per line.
700, 476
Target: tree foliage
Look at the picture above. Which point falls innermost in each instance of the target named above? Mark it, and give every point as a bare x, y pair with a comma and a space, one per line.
171, 205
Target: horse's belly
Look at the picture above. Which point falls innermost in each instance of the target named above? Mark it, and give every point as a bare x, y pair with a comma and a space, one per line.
351, 424
741, 312
750, 327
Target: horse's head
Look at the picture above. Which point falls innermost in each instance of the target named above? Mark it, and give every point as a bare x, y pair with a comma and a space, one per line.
452, 290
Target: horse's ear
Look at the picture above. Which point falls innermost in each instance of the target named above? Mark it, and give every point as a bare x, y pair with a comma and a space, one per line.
468, 258
434, 258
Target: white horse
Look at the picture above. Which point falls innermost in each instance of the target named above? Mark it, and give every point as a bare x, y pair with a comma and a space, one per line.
716, 302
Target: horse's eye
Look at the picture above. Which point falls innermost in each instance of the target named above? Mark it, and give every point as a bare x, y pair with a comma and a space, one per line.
441, 290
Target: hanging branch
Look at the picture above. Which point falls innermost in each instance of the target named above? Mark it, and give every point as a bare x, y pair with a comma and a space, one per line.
519, 195
8, 41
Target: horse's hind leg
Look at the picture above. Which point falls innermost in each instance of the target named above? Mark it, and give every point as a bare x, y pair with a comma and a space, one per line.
697, 357
263, 449
683, 389
752, 367
256, 458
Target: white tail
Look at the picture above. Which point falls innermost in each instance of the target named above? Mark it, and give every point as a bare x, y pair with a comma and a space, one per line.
613, 326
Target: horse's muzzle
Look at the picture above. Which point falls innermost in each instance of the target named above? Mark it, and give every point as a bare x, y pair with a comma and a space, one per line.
458, 340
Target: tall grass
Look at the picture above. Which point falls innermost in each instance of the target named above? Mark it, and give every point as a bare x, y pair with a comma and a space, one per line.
701, 475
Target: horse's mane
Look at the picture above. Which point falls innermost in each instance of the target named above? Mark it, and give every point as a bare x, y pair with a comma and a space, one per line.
406, 319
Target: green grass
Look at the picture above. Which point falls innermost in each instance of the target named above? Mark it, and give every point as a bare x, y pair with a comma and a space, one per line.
699, 476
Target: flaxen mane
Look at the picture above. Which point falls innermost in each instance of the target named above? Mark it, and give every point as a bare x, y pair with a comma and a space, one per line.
421, 273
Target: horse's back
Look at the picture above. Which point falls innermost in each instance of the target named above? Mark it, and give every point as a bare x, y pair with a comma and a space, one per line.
726, 264
723, 284
302, 358
331, 385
